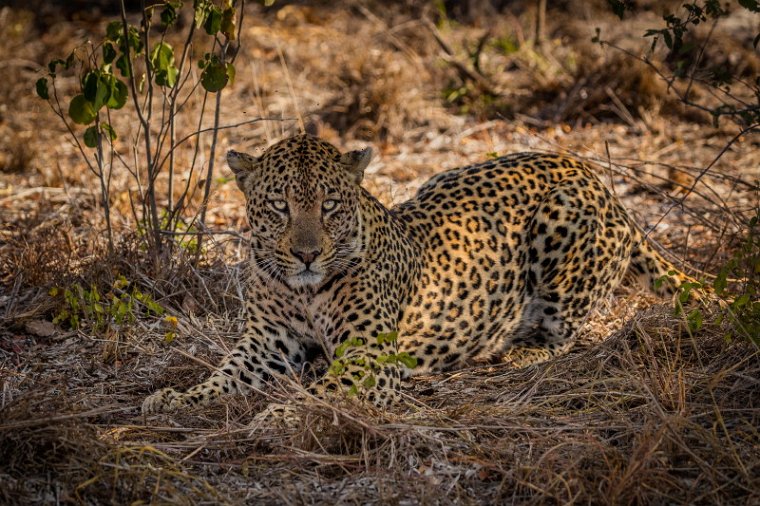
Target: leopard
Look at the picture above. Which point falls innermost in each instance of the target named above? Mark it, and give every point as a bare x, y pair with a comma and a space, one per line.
501, 261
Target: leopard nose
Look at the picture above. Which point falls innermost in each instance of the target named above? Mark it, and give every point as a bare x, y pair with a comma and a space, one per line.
306, 255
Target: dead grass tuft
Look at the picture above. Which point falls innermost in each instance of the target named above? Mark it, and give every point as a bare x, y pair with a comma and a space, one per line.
83, 465
382, 97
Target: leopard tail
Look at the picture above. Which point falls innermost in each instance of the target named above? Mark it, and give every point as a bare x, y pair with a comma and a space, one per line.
652, 270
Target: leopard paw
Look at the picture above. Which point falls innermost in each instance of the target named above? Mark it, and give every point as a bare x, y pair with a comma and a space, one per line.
276, 416
162, 401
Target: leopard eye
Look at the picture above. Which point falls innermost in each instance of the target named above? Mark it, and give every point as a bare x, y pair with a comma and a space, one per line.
330, 205
279, 205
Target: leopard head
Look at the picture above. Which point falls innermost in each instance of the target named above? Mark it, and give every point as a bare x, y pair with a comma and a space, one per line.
302, 200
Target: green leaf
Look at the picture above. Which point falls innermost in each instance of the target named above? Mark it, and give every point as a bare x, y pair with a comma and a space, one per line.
387, 337
109, 131
695, 319
97, 89
337, 368
162, 56
686, 289
408, 360
109, 52
119, 94
115, 30
668, 39
162, 61
90, 85
214, 77
91, 137
42, 88
228, 23
167, 77
169, 15
213, 20
750, 5
81, 110
200, 8
134, 40
721, 281
741, 301
122, 63
369, 382
54, 64
618, 7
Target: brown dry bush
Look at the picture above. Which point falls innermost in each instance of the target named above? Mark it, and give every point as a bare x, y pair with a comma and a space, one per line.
382, 97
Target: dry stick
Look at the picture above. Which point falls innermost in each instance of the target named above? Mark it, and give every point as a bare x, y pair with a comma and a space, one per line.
210, 172
180, 202
111, 155
692, 189
152, 169
104, 189
58, 112
679, 202
47, 420
259, 100
464, 73
173, 94
540, 22
681, 96
698, 59
196, 151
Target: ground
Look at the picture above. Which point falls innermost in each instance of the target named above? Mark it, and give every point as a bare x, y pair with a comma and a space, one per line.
653, 414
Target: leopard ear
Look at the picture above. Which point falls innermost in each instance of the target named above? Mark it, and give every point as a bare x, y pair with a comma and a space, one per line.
242, 165
356, 162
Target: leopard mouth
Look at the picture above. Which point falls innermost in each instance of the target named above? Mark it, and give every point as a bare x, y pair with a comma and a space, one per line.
306, 277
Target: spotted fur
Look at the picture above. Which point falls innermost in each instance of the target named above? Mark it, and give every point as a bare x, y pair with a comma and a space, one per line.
503, 259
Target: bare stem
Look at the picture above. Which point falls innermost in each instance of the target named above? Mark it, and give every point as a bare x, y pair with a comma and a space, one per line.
212, 156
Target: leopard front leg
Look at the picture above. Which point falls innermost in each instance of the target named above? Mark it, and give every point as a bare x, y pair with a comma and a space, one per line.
365, 368
259, 356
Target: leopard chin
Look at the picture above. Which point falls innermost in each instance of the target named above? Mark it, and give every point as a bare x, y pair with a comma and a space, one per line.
305, 278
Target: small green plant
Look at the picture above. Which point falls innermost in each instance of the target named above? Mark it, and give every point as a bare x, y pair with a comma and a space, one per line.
364, 368
508, 44
695, 317
81, 306
739, 96
740, 301
135, 70
742, 313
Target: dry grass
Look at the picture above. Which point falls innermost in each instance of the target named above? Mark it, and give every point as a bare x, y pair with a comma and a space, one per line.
643, 412
651, 414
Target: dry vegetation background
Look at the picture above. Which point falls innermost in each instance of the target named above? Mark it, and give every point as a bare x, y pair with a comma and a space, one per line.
652, 415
